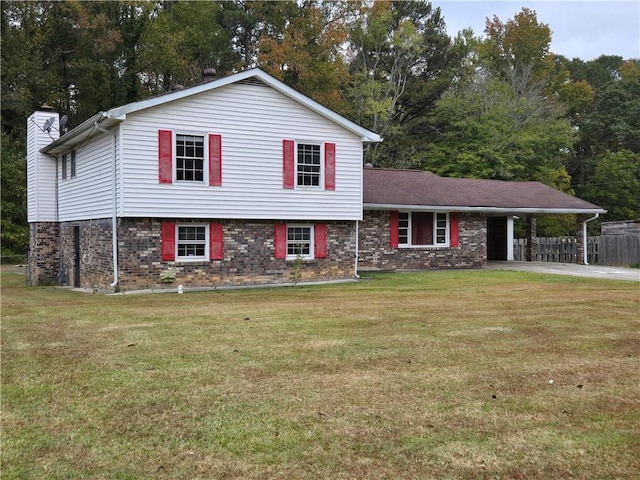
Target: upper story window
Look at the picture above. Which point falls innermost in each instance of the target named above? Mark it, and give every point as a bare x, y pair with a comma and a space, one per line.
63, 166
68, 165
308, 166
423, 229
190, 158
73, 163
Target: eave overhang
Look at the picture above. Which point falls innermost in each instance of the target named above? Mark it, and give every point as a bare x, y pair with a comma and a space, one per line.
488, 210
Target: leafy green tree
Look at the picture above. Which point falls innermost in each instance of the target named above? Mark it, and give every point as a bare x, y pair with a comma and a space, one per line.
489, 131
615, 184
402, 61
15, 232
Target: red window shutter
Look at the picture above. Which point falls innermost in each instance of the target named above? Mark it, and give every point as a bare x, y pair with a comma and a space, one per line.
320, 240
215, 160
216, 241
329, 166
393, 229
165, 156
168, 241
454, 225
288, 163
280, 240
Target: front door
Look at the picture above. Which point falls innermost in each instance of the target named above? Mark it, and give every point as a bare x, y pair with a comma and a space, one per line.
497, 238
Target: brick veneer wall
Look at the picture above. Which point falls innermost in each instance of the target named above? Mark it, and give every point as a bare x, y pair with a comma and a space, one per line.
44, 256
375, 252
96, 253
248, 257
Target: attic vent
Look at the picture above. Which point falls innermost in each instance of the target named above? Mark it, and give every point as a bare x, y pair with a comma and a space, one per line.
253, 81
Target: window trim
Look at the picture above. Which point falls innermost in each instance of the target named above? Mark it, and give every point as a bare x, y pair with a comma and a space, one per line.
311, 254
205, 156
205, 243
321, 167
408, 244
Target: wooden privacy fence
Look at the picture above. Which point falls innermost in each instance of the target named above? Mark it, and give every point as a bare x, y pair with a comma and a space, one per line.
611, 250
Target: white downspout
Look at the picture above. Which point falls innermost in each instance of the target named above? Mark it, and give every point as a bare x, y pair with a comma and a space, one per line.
584, 238
355, 273
114, 218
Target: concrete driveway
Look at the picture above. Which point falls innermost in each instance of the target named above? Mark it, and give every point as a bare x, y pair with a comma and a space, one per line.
591, 271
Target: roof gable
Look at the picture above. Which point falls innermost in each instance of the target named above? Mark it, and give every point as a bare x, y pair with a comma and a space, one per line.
253, 76
418, 189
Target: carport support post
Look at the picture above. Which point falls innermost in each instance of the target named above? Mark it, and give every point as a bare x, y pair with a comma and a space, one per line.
581, 239
531, 237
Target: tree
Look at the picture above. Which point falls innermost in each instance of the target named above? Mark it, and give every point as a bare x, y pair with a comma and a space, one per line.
615, 184
488, 131
15, 232
518, 50
307, 53
401, 63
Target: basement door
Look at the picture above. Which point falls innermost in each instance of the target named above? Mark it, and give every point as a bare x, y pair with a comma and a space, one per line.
497, 238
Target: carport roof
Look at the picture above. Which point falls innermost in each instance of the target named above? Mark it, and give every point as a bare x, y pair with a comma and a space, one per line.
422, 190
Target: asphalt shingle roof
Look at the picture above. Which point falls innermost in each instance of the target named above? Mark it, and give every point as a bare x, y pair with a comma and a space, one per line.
421, 188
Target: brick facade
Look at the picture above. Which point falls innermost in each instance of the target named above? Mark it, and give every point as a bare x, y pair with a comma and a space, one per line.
44, 253
375, 252
248, 256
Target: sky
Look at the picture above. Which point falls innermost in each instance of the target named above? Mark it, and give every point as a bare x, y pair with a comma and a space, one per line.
580, 28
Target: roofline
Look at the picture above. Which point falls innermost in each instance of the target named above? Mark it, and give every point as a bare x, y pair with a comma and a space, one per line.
457, 208
85, 127
119, 114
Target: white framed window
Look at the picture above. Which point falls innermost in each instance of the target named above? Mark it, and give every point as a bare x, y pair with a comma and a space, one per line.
190, 164
63, 166
423, 229
300, 242
309, 165
192, 242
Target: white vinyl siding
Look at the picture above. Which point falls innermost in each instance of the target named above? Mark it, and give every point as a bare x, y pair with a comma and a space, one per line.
253, 121
41, 170
88, 195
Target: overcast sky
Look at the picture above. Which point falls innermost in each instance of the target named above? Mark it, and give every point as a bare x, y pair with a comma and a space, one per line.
580, 28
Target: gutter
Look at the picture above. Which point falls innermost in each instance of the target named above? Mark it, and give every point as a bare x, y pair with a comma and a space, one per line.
488, 209
114, 218
584, 238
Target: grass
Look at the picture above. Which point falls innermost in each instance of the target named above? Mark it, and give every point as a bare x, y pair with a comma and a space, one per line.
442, 375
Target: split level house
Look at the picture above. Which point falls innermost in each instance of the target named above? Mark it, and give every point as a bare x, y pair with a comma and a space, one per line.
242, 180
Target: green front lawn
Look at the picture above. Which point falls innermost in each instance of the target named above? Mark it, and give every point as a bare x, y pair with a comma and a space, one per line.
444, 375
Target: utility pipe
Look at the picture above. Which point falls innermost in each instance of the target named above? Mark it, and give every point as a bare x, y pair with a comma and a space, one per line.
584, 238
355, 273
114, 219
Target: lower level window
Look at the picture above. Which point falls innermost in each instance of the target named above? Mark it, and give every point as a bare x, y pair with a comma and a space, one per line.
423, 228
192, 242
299, 241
